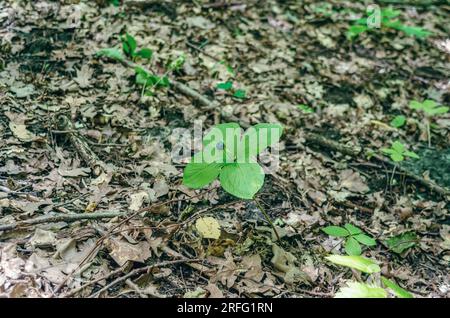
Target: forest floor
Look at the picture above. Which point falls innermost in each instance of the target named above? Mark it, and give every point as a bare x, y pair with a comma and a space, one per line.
92, 204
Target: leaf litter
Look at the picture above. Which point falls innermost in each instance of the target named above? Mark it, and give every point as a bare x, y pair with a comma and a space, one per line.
296, 55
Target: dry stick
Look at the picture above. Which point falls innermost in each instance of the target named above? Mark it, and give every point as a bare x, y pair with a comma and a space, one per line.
61, 218
356, 151
141, 270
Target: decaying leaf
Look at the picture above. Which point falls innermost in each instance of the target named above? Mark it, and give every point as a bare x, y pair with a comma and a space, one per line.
208, 227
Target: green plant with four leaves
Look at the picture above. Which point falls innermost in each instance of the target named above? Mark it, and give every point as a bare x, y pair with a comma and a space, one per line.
398, 121
431, 109
398, 152
232, 157
371, 289
353, 236
387, 18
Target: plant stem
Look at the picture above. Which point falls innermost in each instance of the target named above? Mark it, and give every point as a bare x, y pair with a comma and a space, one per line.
263, 211
392, 176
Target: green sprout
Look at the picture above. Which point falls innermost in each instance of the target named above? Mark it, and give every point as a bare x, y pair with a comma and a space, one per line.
398, 152
387, 20
430, 108
353, 237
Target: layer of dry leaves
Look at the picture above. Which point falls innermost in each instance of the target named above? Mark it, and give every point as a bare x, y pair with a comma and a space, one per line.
283, 54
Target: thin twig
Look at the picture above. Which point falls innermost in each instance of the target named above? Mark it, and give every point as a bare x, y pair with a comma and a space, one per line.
61, 218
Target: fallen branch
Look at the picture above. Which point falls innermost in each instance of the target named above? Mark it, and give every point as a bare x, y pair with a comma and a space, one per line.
356, 151
61, 218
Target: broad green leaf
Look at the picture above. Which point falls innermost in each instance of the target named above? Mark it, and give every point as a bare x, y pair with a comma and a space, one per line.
208, 227
438, 110
145, 53
357, 262
226, 86
240, 93
352, 247
365, 239
415, 105
397, 157
398, 146
129, 44
398, 121
390, 13
402, 242
242, 180
361, 290
356, 30
336, 231
400, 292
411, 154
305, 109
414, 31
388, 151
112, 53
353, 230
198, 175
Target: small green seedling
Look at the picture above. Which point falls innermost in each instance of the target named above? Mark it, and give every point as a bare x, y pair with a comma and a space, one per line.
231, 156
353, 237
228, 87
398, 121
143, 77
430, 108
374, 289
129, 47
306, 109
398, 152
387, 18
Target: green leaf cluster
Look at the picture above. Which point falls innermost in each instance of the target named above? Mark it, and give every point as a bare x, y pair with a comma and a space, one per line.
129, 47
353, 235
388, 20
398, 152
231, 156
429, 107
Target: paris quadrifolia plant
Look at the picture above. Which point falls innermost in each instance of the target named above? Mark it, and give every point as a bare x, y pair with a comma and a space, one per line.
430, 109
375, 286
231, 156
143, 76
385, 18
353, 237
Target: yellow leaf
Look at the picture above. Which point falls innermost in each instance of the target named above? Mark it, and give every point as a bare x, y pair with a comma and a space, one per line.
208, 227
